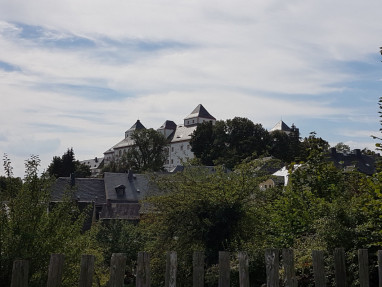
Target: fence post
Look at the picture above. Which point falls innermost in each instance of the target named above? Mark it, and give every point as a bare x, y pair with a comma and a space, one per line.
117, 269
87, 271
288, 264
340, 267
243, 269
224, 269
363, 263
56, 268
143, 270
318, 268
171, 266
380, 268
272, 267
198, 269
20, 273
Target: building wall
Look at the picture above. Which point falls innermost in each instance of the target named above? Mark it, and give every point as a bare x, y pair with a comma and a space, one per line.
178, 152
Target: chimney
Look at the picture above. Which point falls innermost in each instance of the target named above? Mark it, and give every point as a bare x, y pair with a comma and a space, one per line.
72, 180
130, 175
333, 151
358, 152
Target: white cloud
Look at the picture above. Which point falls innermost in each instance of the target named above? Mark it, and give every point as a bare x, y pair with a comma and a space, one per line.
156, 60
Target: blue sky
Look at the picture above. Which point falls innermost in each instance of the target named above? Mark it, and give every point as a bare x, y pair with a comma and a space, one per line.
79, 73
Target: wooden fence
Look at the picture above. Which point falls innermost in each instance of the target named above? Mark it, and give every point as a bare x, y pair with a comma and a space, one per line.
272, 259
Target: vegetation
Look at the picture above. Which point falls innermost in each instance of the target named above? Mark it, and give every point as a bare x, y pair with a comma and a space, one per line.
147, 154
322, 207
66, 165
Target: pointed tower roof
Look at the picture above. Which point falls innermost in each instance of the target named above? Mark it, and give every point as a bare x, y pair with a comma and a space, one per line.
137, 126
170, 125
200, 112
281, 126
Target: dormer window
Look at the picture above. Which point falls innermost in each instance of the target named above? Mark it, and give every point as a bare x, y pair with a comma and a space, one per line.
120, 190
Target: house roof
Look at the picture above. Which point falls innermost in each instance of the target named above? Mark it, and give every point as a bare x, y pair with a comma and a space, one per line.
182, 133
93, 163
281, 126
136, 186
200, 112
84, 189
363, 163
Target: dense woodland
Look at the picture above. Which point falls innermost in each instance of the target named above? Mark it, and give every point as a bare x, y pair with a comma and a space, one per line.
321, 208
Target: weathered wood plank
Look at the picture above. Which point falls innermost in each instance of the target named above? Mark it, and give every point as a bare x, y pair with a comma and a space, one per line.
117, 270
171, 268
198, 269
319, 268
86, 271
272, 267
288, 264
56, 268
224, 269
380, 268
363, 263
340, 267
143, 270
243, 269
20, 273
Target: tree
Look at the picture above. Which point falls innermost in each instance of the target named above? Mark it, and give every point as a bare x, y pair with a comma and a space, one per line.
31, 229
66, 165
229, 142
147, 153
341, 147
200, 210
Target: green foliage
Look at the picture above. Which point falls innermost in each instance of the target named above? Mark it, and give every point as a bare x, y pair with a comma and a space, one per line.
29, 231
229, 142
66, 165
147, 154
200, 210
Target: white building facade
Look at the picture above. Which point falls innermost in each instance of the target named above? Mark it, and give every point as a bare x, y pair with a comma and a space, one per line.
178, 149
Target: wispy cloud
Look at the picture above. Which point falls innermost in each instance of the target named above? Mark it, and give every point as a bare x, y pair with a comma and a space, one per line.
78, 74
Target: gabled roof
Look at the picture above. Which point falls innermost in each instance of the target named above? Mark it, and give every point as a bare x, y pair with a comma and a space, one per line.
281, 126
200, 112
84, 189
136, 186
182, 133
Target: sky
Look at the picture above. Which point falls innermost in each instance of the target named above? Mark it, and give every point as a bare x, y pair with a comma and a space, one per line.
80, 73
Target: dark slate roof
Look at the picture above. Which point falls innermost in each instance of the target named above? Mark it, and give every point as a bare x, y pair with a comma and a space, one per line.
169, 125
363, 163
281, 126
85, 189
201, 112
137, 126
136, 186
128, 211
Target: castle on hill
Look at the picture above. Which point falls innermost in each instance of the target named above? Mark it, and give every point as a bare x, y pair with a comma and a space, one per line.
178, 137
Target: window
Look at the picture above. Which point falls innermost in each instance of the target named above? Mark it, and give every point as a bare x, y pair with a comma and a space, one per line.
172, 149
181, 147
172, 161
188, 146
167, 162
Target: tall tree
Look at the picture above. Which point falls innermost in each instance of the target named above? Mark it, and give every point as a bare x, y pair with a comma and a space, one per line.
147, 154
229, 142
66, 165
